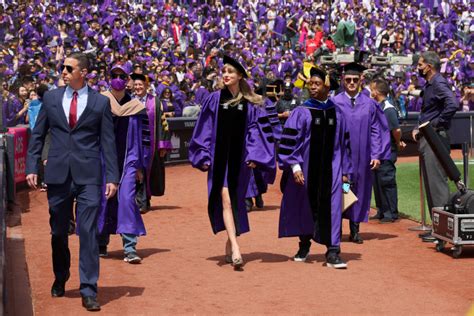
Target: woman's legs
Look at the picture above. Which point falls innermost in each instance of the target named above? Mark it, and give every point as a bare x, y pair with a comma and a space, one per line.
229, 224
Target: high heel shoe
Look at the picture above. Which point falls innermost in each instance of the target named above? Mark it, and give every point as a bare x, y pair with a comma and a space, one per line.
237, 263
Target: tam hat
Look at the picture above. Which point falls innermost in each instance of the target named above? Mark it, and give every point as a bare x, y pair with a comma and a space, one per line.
234, 63
329, 82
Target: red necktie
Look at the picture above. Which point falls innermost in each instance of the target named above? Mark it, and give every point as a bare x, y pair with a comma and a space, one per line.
73, 110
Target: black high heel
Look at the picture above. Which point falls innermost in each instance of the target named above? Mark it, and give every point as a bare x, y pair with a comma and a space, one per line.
237, 263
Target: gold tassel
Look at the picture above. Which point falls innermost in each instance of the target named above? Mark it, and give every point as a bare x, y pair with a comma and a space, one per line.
327, 82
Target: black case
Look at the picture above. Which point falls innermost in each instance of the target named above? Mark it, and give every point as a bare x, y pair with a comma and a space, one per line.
461, 203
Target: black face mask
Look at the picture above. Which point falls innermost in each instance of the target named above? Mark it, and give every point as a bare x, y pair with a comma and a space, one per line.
422, 73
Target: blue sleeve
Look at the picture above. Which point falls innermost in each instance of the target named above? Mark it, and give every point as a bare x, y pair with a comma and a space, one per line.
450, 104
392, 118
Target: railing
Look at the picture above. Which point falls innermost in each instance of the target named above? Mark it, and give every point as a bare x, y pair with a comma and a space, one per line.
2, 224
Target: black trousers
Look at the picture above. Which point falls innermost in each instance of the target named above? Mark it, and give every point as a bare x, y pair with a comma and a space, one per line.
305, 242
88, 201
385, 188
354, 227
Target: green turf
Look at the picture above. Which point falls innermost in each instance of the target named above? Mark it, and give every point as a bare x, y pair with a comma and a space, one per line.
409, 189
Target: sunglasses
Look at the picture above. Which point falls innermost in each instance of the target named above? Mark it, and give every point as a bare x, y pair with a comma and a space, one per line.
68, 68
121, 76
349, 80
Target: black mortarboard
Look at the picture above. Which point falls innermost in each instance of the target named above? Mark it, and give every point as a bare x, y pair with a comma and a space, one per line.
329, 81
353, 69
234, 63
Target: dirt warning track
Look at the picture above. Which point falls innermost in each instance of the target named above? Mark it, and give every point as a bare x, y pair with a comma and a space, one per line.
183, 269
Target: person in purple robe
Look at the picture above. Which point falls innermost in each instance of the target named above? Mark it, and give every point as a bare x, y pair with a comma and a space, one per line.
158, 141
229, 139
370, 143
122, 215
11, 106
315, 155
259, 180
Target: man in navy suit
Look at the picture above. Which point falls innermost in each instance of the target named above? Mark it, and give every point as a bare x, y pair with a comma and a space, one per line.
82, 142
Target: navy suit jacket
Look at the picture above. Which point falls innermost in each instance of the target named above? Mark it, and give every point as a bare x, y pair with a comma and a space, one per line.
75, 151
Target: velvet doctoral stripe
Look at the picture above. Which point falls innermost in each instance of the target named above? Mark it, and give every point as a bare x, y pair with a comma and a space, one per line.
230, 140
323, 130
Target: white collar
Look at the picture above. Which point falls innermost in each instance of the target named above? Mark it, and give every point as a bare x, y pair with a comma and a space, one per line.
355, 97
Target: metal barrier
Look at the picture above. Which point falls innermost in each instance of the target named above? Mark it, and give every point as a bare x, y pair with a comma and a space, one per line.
2, 224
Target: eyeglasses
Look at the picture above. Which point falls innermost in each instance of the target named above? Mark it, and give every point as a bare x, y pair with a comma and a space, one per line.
349, 80
68, 68
121, 76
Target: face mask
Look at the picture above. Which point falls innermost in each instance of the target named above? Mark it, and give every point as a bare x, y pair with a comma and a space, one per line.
421, 72
118, 84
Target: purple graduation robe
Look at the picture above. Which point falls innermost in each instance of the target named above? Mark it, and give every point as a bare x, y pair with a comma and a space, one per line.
259, 180
368, 142
226, 138
318, 141
121, 214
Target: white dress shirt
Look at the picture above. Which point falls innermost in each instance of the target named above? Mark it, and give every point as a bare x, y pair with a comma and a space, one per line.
81, 100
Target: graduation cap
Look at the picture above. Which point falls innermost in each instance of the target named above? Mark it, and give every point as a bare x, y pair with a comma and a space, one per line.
141, 77
353, 69
121, 67
234, 63
329, 81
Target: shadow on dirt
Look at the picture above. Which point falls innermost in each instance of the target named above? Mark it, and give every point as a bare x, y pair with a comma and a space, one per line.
108, 294
142, 253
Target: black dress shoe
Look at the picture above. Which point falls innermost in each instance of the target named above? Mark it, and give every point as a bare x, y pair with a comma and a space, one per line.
429, 238
355, 238
90, 303
58, 288
377, 216
421, 235
248, 204
259, 201
386, 220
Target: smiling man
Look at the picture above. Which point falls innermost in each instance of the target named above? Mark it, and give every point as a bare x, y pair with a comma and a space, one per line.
80, 123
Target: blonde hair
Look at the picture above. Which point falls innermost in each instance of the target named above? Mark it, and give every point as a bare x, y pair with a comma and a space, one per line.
245, 92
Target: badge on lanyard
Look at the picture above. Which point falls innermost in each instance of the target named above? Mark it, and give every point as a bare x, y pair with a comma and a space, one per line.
240, 107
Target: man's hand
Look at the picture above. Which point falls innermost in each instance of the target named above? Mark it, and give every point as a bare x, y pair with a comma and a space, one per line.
205, 167
110, 190
299, 177
345, 179
414, 134
32, 180
251, 164
401, 145
163, 152
374, 164
139, 175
